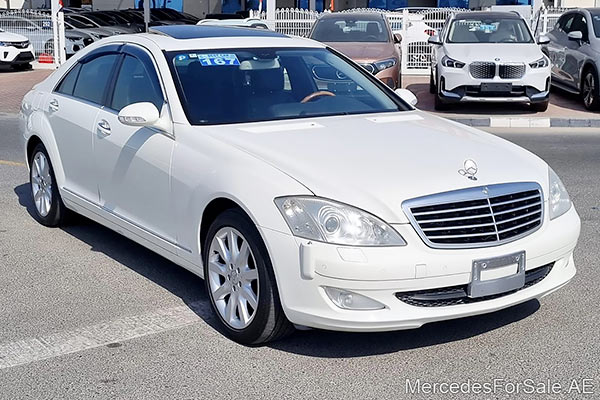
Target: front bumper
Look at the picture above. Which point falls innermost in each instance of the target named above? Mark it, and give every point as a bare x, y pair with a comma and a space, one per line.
11, 55
304, 268
457, 85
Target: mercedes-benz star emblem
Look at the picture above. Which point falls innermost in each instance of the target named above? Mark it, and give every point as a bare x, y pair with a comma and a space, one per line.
469, 169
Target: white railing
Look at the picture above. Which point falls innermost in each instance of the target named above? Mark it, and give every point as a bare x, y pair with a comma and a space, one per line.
34, 25
546, 18
290, 21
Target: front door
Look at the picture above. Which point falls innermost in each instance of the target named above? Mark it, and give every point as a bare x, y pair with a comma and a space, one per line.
133, 163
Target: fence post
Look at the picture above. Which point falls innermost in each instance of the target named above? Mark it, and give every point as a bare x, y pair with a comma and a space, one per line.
271, 14
62, 51
545, 21
404, 43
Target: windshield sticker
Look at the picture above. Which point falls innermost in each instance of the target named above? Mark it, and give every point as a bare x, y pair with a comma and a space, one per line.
488, 28
216, 60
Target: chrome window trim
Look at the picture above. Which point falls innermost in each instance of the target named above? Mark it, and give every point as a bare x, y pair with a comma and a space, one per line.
476, 193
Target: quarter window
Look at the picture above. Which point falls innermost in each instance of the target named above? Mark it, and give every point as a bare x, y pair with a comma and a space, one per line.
94, 78
135, 84
68, 82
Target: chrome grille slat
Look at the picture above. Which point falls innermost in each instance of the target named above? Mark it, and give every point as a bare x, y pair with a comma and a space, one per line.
517, 209
477, 217
460, 227
447, 210
512, 228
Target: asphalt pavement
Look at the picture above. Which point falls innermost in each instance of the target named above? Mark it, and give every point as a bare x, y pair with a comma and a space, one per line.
86, 313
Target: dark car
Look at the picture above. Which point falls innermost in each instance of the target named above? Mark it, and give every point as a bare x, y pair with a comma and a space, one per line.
574, 52
366, 38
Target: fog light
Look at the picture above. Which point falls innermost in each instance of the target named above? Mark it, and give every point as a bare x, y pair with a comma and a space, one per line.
351, 301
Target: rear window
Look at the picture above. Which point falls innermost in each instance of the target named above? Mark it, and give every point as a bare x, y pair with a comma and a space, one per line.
350, 30
234, 86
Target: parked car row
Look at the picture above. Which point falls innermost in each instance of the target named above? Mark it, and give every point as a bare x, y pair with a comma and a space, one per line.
27, 34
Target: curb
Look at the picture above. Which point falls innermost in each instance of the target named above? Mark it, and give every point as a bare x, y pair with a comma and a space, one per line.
520, 122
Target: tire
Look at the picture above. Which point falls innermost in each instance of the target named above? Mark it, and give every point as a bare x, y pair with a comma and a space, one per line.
239, 320
590, 90
439, 105
49, 209
539, 107
432, 88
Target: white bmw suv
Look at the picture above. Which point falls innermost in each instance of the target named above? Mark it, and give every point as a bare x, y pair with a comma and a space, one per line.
302, 188
489, 57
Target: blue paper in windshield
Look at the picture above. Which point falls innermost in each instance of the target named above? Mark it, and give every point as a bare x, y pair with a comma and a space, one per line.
488, 28
218, 60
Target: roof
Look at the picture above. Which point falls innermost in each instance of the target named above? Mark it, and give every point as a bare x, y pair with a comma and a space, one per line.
487, 14
352, 15
211, 31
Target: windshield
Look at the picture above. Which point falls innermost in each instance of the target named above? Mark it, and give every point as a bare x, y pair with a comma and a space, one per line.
596, 23
489, 30
349, 29
78, 24
234, 86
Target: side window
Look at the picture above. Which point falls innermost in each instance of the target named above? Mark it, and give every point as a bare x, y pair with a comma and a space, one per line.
566, 27
67, 84
136, 84
579, 24
94, 78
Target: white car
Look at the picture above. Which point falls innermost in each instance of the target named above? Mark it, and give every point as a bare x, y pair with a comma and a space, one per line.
489, 57
304, 190
244, 23
15, 50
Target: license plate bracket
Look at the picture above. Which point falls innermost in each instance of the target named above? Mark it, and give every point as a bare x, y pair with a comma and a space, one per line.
487, 287
496, 87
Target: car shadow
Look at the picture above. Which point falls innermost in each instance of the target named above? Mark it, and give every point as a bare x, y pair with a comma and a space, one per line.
315, 343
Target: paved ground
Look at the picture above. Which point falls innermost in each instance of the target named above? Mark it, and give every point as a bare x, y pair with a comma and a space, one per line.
562, 104
86, 313
14, 85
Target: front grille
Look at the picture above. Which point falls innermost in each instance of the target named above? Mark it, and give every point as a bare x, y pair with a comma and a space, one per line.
455, 295
482, 69
477, 217
18, 45
511, 71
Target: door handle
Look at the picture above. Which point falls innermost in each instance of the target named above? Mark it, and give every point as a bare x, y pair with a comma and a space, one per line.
104, 127
53, 105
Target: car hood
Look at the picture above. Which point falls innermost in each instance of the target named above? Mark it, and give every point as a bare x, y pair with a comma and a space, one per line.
11, 37
376, 161
499, 52
364, 52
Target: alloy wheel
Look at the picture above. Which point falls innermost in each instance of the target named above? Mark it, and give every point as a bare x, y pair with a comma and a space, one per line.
41, 184
233, 278
589, 87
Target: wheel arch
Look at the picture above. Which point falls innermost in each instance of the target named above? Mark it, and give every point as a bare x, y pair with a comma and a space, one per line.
587, 65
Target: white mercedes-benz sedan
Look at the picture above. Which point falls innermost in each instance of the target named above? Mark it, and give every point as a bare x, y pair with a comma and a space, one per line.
489, 56
305, 191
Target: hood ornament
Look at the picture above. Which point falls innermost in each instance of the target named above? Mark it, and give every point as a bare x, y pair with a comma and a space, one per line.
469, 169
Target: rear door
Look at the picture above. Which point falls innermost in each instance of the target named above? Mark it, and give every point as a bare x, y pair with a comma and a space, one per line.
71, 110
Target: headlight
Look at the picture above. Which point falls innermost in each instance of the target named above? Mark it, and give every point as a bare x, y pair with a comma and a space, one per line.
452, 63
328, 221
541, 63
559, 202
2, 43
385, 64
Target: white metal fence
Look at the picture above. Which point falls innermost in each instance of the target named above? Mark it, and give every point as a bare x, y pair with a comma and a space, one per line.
415, 26
34, 25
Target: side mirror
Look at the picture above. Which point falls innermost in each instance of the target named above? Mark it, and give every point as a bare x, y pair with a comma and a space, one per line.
407, 96
543, 39
435, 39
139, 114
575, 35
397, 38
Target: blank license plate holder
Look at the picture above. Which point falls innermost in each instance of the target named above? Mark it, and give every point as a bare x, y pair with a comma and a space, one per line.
484, 267
496, 87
